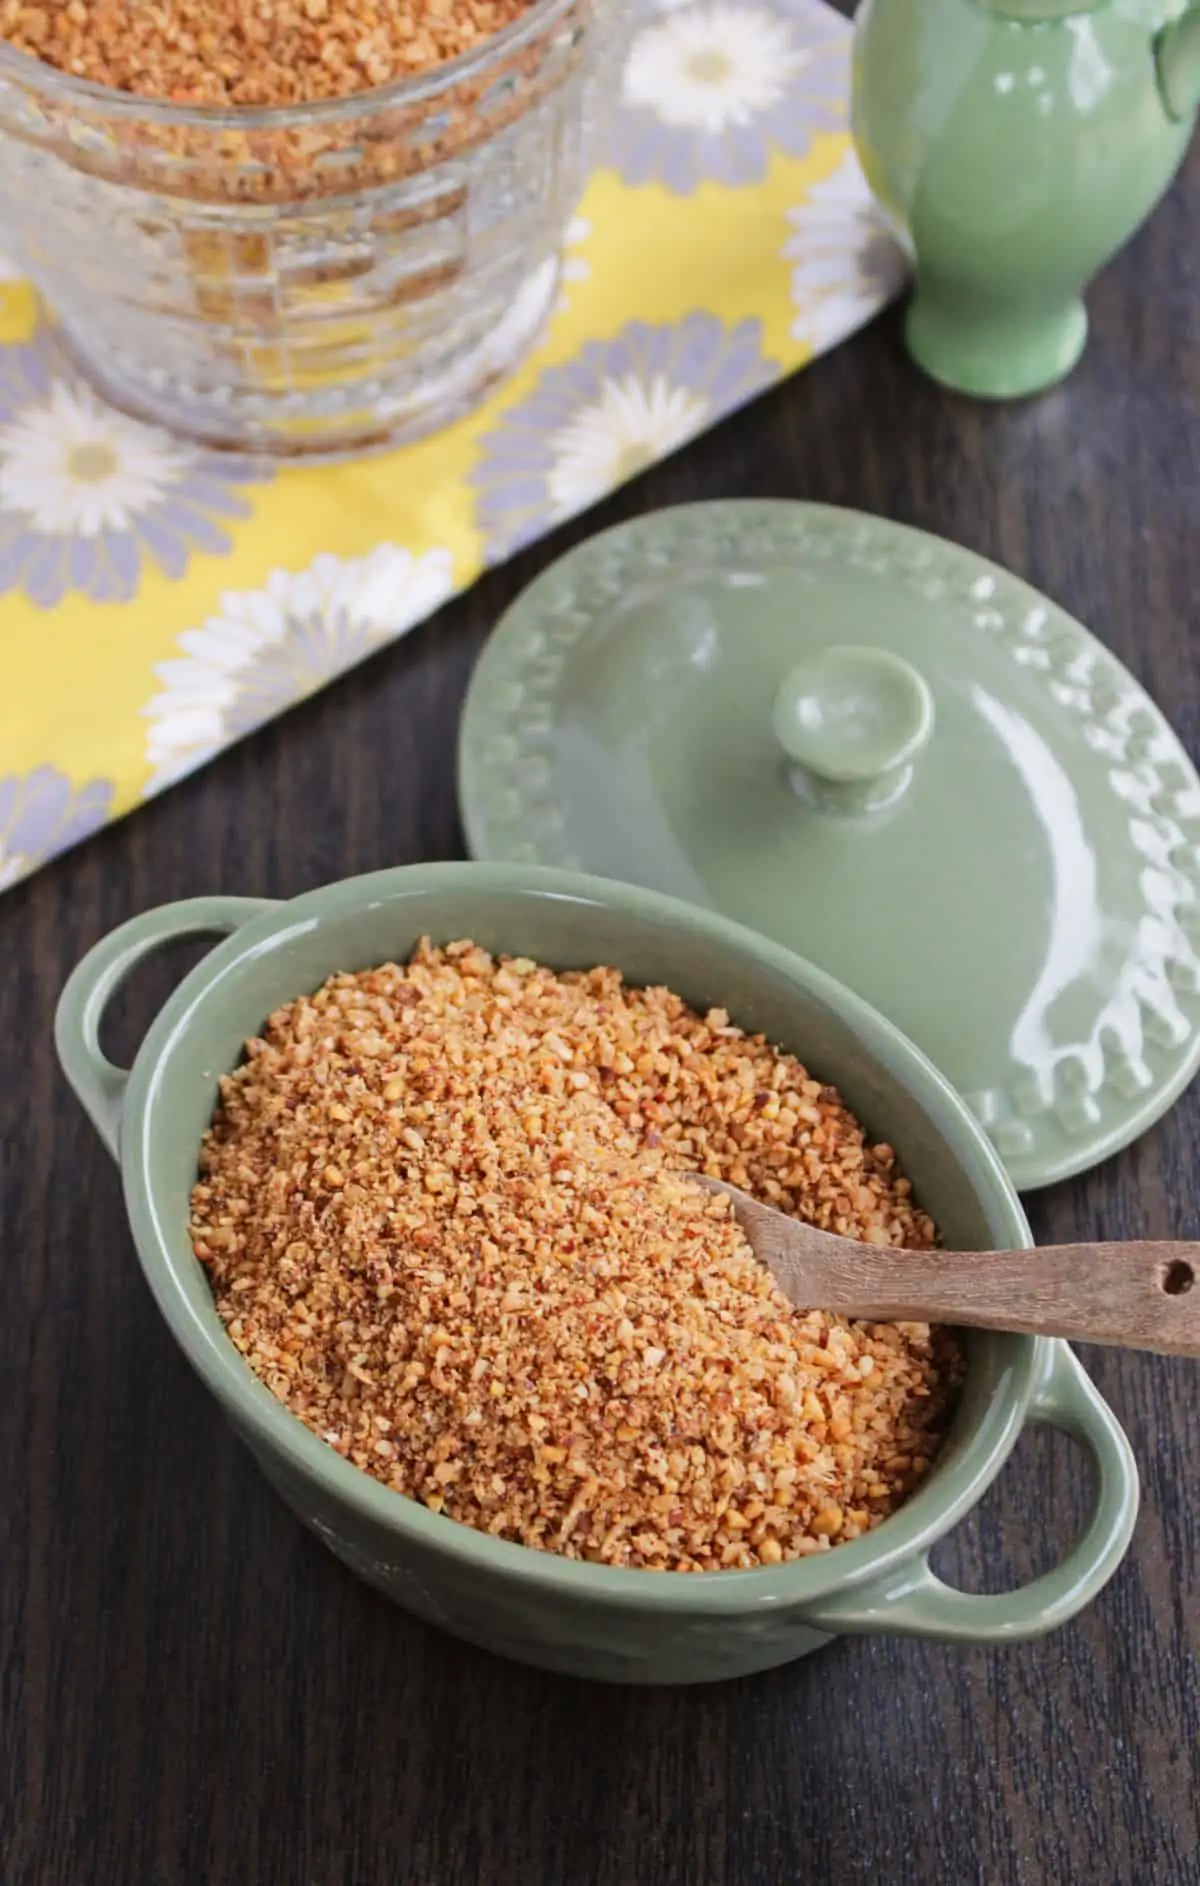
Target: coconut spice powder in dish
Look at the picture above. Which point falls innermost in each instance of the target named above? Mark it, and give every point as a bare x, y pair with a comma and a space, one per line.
442, 1212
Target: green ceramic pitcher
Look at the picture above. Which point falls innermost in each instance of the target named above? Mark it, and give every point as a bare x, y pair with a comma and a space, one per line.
1018, 144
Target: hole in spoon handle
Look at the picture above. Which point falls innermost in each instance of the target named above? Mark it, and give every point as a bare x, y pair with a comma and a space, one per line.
1131, 1296
1177, 1276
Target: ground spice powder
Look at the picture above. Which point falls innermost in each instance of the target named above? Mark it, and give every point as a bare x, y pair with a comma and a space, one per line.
250, 52
441, 1209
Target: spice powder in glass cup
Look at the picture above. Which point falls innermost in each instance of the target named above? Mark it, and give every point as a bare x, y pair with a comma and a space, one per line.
251, 52
443, 1215
230, 56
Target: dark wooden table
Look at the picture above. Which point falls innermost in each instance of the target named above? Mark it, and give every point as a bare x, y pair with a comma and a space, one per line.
193, 1693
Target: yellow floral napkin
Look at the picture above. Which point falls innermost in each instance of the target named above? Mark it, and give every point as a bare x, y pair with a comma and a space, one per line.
158, 601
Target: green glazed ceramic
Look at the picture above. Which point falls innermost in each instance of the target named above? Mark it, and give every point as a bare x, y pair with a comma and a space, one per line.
591, 1620
892, 757
1018, 144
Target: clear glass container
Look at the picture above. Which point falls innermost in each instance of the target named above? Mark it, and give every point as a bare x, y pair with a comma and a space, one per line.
312, 280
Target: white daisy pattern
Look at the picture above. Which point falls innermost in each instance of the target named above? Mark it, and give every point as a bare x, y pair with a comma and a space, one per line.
631, 423
696, 70
89, 497
846, 263
710, 87
69, 467
265, 649
599, 419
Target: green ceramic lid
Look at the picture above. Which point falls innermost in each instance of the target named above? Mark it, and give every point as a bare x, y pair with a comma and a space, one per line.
894, 758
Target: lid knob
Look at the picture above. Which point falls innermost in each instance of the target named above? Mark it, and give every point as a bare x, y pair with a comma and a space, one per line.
852, 721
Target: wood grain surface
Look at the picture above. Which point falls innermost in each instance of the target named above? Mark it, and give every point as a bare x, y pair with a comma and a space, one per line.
193, 1693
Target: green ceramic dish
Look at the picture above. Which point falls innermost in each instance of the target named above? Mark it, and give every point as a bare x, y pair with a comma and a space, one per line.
590, 1620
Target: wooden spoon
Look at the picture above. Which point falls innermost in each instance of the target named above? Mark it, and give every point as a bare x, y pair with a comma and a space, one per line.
1138, 1296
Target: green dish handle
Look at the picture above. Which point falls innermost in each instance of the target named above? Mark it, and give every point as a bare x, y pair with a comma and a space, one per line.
912, 1601
98, 1083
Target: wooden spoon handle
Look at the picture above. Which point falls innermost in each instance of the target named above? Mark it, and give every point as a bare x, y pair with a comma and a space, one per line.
1138, 1296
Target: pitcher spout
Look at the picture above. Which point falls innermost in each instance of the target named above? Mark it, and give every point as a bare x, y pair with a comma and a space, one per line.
1177, 51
